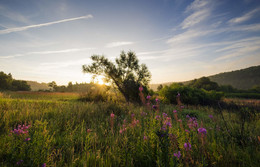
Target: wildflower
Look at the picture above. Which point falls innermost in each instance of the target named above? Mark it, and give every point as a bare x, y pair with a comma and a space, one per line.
112, 115
174, 111
164, 115
27, 139
148, 97
89, 130
169, 124
202, 130
19, 162
145, 137
21, 129
157, 100
179, 120
132, 115
211, 116
182, 107
178, 95
141, 88
120, 131
157, 117
187, 146
143, 113
187, 131
44, 165
154, 107
177, 155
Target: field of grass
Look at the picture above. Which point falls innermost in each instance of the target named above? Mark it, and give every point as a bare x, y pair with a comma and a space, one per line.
55, 129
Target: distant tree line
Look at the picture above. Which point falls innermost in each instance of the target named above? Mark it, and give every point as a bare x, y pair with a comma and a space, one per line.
8, 83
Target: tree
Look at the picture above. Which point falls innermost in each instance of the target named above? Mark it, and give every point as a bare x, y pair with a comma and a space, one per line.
204, 83
126, 73
159, 87
53, 85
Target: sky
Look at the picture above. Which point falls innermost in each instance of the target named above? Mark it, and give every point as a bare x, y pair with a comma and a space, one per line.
178, 40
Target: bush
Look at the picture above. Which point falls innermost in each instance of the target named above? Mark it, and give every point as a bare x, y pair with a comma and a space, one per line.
189, 95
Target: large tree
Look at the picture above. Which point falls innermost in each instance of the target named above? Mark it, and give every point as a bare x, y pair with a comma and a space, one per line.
126, 73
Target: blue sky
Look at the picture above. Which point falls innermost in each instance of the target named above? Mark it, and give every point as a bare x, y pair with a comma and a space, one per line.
178, 40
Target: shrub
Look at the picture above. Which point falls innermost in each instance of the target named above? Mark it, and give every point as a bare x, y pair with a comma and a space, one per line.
189, 95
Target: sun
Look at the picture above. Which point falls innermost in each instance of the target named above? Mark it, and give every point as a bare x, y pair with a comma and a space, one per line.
100, 80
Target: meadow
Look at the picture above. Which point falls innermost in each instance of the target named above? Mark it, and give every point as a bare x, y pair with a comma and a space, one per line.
55, 129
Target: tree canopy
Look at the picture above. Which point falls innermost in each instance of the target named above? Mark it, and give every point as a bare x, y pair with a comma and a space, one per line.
126, 73
8, 83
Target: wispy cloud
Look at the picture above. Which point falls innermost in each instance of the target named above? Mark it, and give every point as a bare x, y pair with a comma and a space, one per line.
47, 52
4, 11
116, 44
245, 17
17, 29
200, 12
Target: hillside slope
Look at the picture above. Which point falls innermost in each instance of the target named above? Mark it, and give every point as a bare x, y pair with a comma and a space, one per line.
240, 79
35, 86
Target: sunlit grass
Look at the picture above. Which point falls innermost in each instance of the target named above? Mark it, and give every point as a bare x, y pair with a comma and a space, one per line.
73, 133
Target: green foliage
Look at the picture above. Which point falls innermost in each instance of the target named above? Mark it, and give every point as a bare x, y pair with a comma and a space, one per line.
126, 74
8, 83
203, 83
243, 95
189, 95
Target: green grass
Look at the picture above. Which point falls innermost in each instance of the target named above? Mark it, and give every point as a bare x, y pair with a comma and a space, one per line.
73, 133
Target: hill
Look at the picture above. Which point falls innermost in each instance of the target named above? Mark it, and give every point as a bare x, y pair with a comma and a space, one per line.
240, 79
35, 86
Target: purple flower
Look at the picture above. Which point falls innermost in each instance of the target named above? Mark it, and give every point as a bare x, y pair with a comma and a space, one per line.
157, 117
19, 162
187, 116
187, 146
178, 155
154, 107
169, 124
187, 131
132, 115
141, 88
178, 95
174, 111
148, 97
164, 115
202, 130
157, 100
112, 115
211, 116
145, 137
44, 165
27, 139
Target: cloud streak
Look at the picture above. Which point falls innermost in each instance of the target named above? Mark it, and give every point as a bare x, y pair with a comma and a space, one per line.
116, 44
47, 52
245, 17
17, 29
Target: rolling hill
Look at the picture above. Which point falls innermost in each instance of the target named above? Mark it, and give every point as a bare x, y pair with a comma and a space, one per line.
240, 79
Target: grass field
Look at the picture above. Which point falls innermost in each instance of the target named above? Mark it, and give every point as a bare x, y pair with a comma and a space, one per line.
55, 129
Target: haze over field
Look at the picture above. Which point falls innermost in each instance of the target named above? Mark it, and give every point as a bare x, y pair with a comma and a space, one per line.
178, 40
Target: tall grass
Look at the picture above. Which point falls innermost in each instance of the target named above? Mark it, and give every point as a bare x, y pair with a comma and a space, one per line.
74, 133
